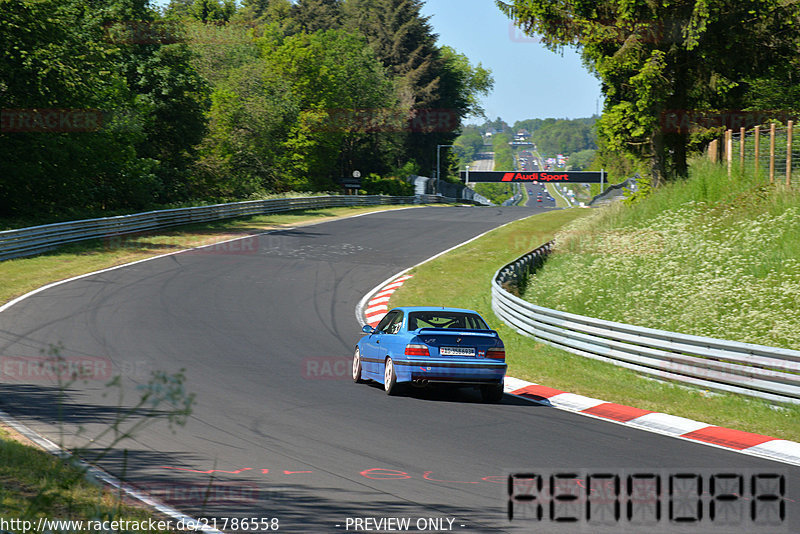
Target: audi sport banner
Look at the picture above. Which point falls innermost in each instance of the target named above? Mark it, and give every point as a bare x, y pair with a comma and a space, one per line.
585, 177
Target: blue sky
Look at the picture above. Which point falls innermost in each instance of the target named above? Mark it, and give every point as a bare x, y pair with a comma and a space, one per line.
529, 80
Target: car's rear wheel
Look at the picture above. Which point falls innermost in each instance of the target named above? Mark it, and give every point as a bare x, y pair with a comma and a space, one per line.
492, 392
390, 384
357, 367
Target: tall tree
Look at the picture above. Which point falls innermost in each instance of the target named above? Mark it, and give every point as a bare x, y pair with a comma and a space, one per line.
461, 85
313, 15
251, 115
212, 10
404, 41
657, 56
339, 85
268, 12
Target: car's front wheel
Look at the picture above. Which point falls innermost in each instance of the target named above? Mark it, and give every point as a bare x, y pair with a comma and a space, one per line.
492, 392
357, 367
390, 384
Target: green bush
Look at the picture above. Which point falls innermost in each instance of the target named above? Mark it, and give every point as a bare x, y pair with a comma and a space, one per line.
372, 184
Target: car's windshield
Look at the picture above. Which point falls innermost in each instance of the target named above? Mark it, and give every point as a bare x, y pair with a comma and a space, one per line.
445, 319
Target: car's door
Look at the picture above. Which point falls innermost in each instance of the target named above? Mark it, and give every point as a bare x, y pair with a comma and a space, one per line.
392, 339
374, 353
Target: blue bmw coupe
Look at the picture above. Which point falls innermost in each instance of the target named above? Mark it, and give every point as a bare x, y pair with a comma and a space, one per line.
426, 345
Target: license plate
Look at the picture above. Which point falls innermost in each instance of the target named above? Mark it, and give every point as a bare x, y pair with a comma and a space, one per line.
457, 351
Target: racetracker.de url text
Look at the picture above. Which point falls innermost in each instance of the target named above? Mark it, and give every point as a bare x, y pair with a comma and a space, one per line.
74, 526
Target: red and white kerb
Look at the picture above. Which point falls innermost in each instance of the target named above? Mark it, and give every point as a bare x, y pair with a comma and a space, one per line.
378, 304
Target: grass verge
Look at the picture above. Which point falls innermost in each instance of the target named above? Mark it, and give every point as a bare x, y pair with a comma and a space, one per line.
35, 484
461, 278
561, 202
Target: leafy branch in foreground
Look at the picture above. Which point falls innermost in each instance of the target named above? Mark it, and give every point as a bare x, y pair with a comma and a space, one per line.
164, 397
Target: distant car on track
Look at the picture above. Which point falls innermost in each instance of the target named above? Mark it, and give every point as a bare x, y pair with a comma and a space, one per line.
425, 346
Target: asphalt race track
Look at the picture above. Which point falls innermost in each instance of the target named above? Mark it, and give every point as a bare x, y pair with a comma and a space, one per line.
265, 331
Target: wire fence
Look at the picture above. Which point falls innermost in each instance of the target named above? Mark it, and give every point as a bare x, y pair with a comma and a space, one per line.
771, 152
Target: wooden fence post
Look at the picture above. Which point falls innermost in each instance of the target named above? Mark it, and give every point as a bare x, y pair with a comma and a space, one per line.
713, 150
741, 150
789, 127
772, 153
757, 146
729, 149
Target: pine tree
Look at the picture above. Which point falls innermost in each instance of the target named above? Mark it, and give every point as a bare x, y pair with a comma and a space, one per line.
314, 15
404, 41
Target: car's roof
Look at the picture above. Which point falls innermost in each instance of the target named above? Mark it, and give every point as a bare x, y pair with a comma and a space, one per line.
408, 309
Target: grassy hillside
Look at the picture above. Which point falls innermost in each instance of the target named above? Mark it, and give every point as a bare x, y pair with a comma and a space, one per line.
712, 256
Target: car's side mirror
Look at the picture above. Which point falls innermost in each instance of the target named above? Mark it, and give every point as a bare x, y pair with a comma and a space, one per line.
367, 329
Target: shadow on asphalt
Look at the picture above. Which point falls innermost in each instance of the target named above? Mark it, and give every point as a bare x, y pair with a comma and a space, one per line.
459, 395
53, 404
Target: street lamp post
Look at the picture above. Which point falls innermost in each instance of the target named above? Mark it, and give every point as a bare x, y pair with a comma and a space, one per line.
438, 172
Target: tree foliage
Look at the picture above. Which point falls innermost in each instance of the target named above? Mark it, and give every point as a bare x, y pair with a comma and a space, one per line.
219, 100
503, 157
469, 144
565, 136
335, 77
313, 15
653, 57
61, 59
582, 160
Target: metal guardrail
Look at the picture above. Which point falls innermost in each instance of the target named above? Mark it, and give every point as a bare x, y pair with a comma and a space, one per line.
36, 239
769, 373
616, 192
